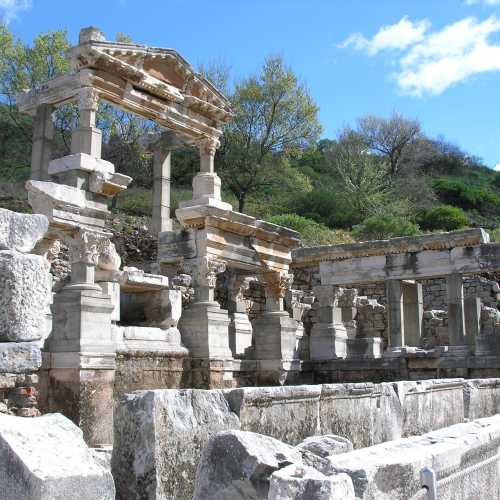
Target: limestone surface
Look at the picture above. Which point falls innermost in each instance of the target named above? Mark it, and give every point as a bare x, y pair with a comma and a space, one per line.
298, 482
159, 437
46, 458
238, 464
25, 294
21, 232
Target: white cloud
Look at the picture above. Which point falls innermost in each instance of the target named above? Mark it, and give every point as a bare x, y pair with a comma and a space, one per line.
486, 2
396, 36
496, 168
10, 8
440, 59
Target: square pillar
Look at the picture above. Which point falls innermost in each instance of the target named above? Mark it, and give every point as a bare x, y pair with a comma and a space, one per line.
394, 292
456, 312
161, 191
413, 313
472, 312
328, 338
240, 328
43, 136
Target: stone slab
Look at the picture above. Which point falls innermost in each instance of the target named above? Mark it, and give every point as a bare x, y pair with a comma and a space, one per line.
20, 357
25, 295
21, 232
159, 436
46, 458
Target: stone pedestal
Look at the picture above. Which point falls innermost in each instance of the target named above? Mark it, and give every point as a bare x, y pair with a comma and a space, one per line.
275, 336
81, 363
328, 336
240, 333
204, 330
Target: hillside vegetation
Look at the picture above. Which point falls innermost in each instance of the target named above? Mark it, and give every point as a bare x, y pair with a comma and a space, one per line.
379, 178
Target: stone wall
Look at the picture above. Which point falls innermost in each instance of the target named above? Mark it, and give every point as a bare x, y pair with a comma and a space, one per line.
180, 422
458, 455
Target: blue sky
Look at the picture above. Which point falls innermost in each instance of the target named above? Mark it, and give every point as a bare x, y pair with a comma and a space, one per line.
435, 60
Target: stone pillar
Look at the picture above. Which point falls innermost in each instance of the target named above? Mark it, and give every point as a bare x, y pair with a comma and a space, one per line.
81, 350
43, 136
328, 335
86, 138
472, 313
456, 314
204, 327
161, 191
394, 292
413, 313
207, 184
240, 328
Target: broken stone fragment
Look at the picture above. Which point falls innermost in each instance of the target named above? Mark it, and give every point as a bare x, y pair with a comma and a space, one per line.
325, 446
238, 464
25, 295
299, 482
46, 458
21, 232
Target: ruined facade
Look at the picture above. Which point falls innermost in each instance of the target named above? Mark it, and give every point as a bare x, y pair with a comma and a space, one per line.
234, 302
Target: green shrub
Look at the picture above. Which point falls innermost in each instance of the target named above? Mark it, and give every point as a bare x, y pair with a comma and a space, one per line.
381, 227
443, 217
327, 207
135, 201
312, 232
495, 235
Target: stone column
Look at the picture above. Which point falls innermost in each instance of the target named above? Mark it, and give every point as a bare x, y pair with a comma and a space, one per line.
413, 312
206, 184
456, 314
328, 335
43, 136
161, 191
394, 292
240, 328
472, 313
81, 347
204, 326
87, 138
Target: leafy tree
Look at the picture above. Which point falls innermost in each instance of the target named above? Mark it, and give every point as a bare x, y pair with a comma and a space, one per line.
391, 138
274, 115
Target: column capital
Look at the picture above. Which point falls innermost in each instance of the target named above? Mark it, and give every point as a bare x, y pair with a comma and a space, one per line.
208, 145
88, 98
86, 246
277, 283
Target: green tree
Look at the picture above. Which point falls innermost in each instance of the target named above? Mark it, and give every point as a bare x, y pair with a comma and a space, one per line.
274, 115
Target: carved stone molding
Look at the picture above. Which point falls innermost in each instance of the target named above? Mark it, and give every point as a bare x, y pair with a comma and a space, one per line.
204, 270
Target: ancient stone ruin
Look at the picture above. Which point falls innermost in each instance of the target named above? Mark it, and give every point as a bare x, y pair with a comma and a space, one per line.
245, 366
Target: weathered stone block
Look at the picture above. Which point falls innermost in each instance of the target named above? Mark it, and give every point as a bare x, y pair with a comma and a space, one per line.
326, 445
159, 436
19, 357
45, 458
299, 482
25, 295
21, 232
275, 411
238, 464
